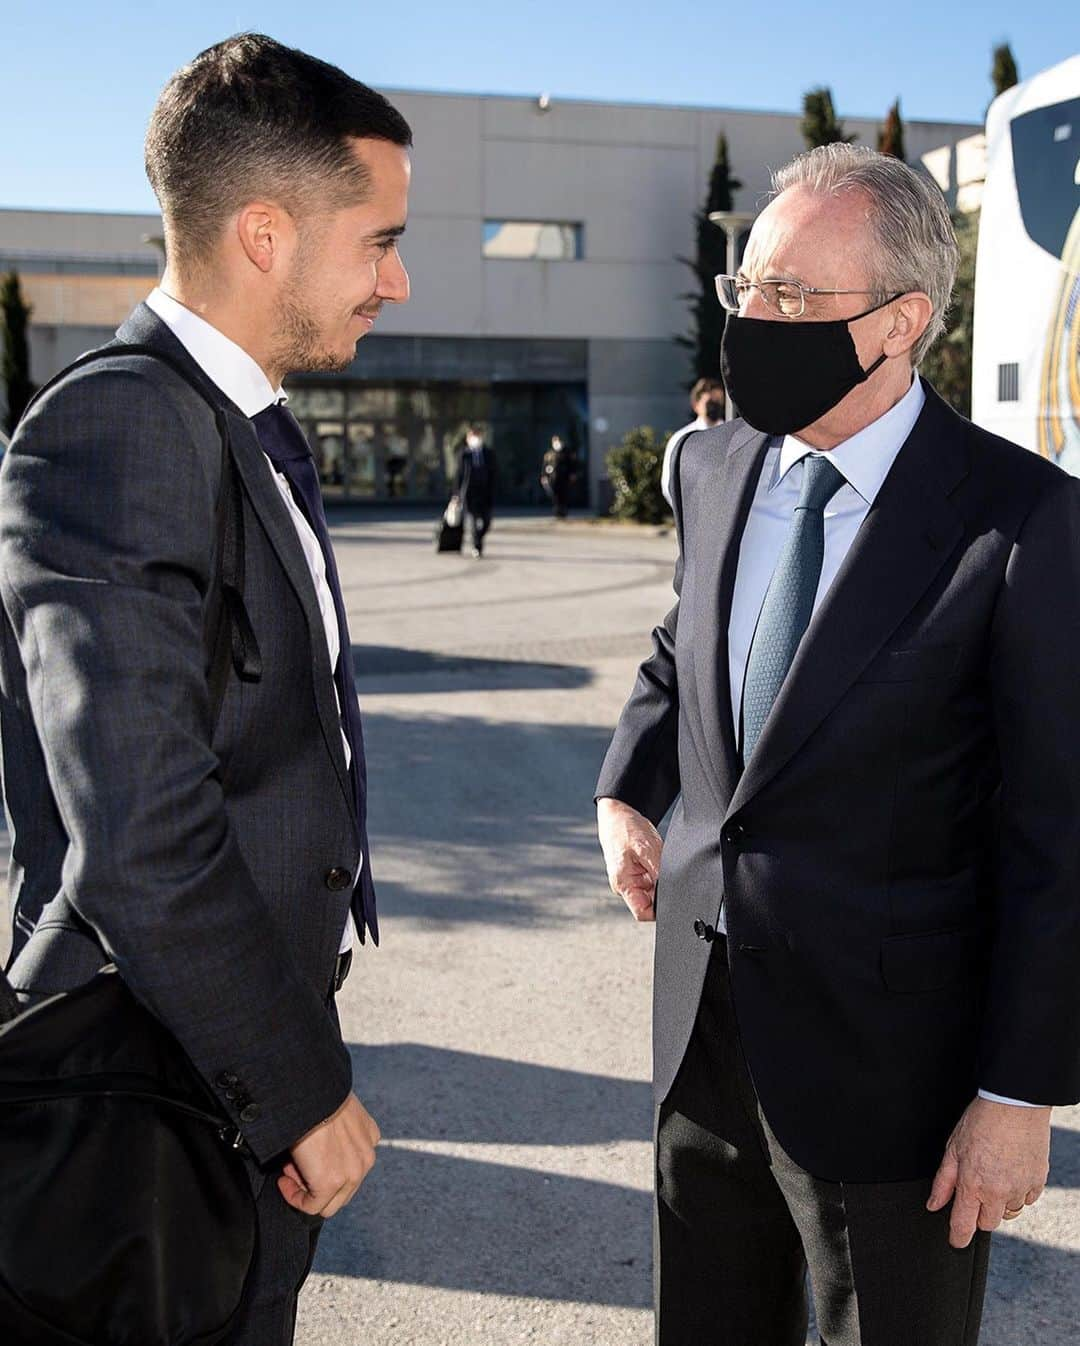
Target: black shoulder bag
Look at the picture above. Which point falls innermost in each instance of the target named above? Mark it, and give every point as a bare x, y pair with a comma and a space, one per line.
127, 1216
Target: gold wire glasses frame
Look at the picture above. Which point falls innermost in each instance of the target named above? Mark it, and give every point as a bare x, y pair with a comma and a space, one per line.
786, 297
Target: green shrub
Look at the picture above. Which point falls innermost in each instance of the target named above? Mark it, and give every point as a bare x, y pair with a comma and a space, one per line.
634, 472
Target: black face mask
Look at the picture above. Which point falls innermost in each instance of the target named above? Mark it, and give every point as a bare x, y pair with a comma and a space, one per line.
714, 409
783, 376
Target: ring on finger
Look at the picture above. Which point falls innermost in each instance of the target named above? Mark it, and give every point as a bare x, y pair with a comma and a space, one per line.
1008, 1214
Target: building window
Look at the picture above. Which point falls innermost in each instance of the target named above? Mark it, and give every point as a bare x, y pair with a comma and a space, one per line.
402, 441
533, 240
1009, 383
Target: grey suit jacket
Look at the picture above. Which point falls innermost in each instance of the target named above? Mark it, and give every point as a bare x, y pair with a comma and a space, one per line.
201, 868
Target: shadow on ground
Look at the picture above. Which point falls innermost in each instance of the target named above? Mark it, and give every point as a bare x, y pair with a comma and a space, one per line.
464, 1224
460, 1224
379, 669
487, 820
1065, 1160
434, 1093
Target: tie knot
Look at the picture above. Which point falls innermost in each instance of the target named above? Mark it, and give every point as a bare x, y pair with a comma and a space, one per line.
821, 481
280, 435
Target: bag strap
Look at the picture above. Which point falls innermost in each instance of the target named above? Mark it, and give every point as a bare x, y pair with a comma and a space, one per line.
227, 631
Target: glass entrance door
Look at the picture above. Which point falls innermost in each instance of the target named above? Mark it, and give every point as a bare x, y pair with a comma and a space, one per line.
398, 442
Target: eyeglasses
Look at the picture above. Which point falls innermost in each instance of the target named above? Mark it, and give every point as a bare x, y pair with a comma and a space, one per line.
786, 297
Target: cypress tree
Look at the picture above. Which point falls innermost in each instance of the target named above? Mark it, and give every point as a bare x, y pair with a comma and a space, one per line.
1004, 73
15, 364
722, 185
707, 317
819, 124
891, 135
948, 362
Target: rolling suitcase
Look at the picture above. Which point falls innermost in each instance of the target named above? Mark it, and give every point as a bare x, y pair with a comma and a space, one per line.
451, 528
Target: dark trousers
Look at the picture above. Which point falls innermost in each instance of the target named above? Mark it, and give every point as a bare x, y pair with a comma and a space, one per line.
284, 1251
283, 1256
738, 1222
479, 523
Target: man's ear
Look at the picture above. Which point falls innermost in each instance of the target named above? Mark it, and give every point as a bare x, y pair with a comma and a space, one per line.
911, 318
266, 234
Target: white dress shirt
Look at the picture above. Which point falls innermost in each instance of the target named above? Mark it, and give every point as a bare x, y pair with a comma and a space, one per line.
699, 423
242, 380
864, 460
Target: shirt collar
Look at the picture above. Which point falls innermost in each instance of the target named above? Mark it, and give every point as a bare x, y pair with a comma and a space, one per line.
865, 458
238, 376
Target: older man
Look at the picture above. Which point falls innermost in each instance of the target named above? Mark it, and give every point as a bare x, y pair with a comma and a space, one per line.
865, 705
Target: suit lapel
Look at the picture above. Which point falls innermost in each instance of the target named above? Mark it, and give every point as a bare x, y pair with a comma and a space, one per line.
720, 518
144, 326
265, 498
904, 540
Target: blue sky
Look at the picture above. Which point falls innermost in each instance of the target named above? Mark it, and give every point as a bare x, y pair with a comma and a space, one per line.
78, 81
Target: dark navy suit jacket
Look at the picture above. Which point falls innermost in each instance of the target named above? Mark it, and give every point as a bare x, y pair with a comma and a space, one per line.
900, 858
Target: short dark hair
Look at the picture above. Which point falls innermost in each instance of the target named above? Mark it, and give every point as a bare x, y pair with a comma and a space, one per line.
704, 386
250, 118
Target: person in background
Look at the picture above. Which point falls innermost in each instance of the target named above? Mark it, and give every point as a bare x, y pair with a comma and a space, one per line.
558, 475
475, 486
707, 404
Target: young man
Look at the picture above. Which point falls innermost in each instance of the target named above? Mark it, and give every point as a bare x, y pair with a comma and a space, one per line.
226, 875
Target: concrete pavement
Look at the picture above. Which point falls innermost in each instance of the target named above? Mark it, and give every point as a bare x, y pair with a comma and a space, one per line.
500, 1035
501, 1032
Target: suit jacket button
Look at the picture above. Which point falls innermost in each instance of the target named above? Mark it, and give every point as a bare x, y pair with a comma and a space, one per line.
226, 1080
338, 879
703, 931
734, 834
250, 1113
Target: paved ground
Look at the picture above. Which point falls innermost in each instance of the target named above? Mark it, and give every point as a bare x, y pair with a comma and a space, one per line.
501, 1031
500, 1035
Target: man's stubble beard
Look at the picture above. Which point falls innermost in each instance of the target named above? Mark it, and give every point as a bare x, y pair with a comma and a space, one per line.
299, 344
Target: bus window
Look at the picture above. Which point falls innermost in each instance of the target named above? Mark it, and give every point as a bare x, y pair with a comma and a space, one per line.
1026, 358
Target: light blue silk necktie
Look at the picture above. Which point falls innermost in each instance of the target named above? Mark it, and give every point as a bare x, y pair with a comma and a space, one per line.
789, 602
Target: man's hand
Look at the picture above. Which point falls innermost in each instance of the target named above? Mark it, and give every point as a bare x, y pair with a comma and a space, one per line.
331, 1161
631, 847
996, 1163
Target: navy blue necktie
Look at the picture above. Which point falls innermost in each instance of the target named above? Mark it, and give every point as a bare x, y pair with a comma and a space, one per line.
285, 445
789, 602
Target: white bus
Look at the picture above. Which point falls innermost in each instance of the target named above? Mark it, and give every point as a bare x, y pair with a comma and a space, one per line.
1026, 357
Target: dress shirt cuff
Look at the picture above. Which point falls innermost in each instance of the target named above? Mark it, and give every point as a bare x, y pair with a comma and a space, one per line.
1013, 1102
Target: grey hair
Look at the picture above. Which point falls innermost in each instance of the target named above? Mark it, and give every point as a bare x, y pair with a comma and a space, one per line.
916, 243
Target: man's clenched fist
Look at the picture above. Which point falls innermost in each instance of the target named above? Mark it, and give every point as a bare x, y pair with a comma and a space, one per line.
329, 1163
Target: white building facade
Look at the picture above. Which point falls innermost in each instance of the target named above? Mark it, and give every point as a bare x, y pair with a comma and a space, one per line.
547, 291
